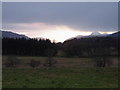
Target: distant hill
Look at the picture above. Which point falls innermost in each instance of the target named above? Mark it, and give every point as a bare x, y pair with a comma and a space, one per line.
93, 34
116, 34
8, 34
97, 34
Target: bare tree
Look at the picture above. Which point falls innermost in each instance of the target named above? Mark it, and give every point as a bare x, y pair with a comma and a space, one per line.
11, 61
100, 55
50, 62
34, 63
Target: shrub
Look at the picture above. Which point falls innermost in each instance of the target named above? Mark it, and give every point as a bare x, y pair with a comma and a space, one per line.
34, 63
11, 61
50, 62
102, 62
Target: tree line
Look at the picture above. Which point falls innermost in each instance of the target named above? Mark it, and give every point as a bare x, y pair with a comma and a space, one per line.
94, 46
30, 47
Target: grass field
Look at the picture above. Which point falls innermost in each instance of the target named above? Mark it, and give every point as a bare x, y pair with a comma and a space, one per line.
69, 74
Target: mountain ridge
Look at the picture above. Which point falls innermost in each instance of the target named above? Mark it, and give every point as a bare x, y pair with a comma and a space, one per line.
116, 34
93, 34
97, 34
9, 34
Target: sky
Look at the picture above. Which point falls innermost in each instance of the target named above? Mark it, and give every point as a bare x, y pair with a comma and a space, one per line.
59, 21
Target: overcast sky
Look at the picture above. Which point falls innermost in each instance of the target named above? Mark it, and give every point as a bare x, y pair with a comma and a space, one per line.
45, 17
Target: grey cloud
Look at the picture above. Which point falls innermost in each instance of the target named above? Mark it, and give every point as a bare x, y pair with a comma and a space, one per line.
89, 16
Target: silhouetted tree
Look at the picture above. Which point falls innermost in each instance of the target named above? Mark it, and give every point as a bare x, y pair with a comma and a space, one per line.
31, 47
50, 62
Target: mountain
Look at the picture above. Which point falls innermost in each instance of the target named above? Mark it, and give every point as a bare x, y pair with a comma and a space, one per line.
98, 34
116, 34
93, 34
8, 34
79, 36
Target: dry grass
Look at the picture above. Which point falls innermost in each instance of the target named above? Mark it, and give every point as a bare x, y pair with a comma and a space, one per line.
62, 62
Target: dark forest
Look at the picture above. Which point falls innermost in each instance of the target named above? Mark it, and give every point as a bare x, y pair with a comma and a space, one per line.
94, 46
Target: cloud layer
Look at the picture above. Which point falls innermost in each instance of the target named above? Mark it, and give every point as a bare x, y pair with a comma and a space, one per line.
88, 16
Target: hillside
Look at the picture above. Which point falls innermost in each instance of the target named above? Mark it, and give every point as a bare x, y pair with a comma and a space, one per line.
8, 34
117, 34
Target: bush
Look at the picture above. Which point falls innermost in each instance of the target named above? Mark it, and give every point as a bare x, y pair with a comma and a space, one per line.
12, 61
50, 62
102, 62
34, 63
